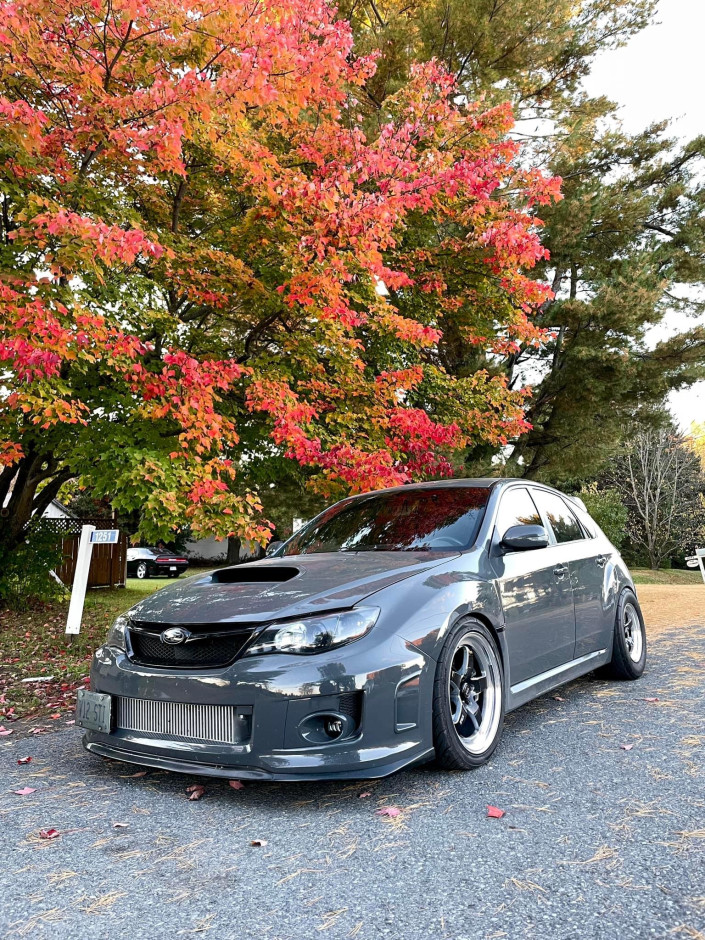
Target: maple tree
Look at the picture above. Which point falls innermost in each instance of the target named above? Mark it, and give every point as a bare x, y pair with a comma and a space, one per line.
205, 261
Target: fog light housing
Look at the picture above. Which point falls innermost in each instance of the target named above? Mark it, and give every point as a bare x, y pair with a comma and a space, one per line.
326, 727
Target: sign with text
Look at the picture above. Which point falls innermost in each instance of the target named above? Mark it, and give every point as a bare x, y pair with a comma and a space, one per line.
697, 561
90, 536
105, 536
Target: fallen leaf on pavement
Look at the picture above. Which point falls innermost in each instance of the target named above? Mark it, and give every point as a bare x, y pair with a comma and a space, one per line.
237, 784
558, 698
390, 811
49, 833
55, 716
25, 791
196, 791
494, 812
24, 760
653, 699
140, 773
120, 825
258, 843
4, 730
626, 747
363, 796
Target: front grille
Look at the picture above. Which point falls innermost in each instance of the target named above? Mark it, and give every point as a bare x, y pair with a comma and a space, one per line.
201, 651
222, 724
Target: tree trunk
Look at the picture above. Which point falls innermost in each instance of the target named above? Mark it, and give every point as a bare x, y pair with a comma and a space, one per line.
233, 556
19, 484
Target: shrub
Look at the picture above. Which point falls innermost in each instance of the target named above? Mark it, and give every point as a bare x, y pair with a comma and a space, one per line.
608, 511
25, 572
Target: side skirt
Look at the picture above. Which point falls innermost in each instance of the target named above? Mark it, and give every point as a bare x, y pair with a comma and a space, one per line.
529, 689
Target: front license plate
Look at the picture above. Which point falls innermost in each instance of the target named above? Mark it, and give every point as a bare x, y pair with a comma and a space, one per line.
94, 711
172, 568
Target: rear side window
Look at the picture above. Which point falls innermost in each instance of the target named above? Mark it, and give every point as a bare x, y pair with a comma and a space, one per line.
516, 508
566, 527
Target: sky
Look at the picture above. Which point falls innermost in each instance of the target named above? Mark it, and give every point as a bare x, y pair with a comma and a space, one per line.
660, 74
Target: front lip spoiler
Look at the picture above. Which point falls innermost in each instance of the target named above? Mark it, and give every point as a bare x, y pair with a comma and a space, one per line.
248, 773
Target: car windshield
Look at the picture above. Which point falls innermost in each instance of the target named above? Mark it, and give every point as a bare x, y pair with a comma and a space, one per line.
438, 519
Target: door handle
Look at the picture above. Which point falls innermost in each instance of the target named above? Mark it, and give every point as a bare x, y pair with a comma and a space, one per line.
601, 561
560, 571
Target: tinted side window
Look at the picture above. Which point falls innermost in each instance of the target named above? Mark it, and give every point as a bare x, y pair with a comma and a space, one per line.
516, 508
565, 526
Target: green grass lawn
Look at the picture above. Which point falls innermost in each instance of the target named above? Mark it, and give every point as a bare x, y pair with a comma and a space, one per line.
664, 576
33, 644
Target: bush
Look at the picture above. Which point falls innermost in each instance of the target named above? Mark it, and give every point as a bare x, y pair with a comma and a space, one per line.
608, 511
25, 570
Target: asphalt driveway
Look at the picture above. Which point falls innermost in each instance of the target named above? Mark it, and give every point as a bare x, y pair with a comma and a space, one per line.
603, 835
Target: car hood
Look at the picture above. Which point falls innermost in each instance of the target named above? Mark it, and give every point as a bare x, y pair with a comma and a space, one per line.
292, 586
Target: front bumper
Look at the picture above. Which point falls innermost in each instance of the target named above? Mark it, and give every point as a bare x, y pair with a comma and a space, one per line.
283, 695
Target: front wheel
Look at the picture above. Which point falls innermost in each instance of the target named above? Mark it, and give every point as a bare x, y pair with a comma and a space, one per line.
629, 645
141, 571
468, 697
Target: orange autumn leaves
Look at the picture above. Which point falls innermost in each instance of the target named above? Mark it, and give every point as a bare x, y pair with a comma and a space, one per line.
216, 160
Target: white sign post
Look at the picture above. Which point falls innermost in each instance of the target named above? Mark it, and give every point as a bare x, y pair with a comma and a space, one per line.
697, 561
90, 536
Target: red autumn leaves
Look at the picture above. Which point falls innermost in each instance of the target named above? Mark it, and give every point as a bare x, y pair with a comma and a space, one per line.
306, 324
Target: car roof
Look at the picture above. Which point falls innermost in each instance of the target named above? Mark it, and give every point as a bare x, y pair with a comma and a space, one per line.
479, 482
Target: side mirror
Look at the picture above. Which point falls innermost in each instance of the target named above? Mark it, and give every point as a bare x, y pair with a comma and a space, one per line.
521, 538
273, 547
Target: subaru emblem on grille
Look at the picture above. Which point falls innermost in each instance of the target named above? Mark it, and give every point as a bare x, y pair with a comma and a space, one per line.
174, 635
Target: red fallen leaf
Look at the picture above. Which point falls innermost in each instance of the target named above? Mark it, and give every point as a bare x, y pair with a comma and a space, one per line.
4, 730
626, 747
196, 791
654, 699
363, 796
390, 811
140, 773
72, 722
38, 730
25, 791
258, 843
494, 812
55, 716
49, 833
24, 760
237, 784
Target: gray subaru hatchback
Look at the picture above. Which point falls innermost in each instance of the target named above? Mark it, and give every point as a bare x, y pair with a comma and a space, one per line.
397, 626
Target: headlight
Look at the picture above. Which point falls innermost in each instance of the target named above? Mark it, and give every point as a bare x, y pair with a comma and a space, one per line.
316, 634
116, 634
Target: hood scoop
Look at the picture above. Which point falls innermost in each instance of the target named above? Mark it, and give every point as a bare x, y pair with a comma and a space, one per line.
264, 574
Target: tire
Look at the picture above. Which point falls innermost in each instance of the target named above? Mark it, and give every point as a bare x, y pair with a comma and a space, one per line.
629, 644
468, 714
142, 571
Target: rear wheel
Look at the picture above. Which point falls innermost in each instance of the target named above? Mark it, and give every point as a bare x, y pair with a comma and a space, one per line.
629, 646
468, 697
142, 571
